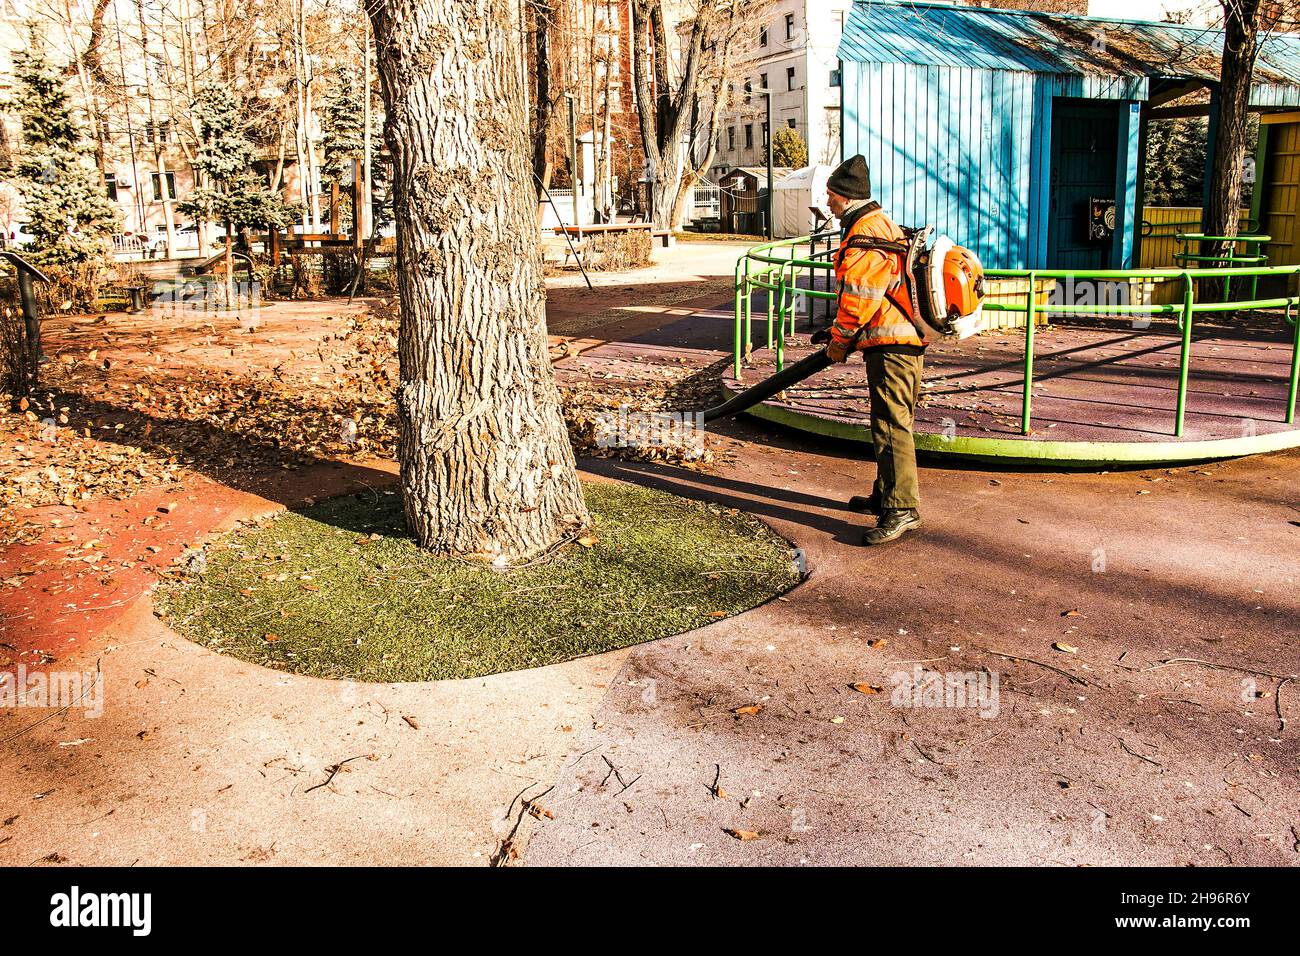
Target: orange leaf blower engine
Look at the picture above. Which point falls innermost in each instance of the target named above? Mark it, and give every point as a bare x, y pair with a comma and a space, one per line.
948, 284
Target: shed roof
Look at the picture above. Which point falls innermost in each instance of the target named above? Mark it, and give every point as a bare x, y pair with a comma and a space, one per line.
936, 34
757, 172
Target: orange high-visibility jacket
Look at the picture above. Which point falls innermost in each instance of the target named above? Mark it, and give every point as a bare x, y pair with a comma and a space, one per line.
864, 278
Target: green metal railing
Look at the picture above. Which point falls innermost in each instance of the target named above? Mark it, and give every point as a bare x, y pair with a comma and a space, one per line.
1170, 230
776, 267
1229, 259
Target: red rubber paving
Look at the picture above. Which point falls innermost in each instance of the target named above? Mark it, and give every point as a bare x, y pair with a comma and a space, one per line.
83, 573
77, 577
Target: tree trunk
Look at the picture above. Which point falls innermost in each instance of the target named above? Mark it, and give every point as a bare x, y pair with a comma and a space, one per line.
685, 191
364, 216
1240, 44
487, 468
661, 111
664, 184
544, 108
159, 157
230, 266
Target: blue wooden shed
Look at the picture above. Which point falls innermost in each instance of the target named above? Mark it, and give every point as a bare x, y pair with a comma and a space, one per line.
1011, 131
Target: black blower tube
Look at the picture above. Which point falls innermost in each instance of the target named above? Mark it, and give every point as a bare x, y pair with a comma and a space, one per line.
770, 386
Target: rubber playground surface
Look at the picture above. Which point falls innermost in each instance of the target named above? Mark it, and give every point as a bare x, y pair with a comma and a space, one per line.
1093, 382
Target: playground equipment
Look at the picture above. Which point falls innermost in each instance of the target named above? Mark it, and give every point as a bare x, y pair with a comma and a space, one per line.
1229, 259
779, 268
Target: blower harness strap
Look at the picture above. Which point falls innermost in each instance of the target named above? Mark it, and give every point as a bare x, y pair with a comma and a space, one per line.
906, 253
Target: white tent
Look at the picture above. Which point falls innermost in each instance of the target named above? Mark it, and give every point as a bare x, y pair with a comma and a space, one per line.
795, 193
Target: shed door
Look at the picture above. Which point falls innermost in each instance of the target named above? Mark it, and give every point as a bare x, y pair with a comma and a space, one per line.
1085, 157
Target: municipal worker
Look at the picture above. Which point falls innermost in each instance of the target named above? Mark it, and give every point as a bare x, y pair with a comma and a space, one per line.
873, 317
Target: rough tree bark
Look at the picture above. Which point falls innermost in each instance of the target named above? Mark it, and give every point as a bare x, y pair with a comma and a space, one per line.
1240, 46
487, 468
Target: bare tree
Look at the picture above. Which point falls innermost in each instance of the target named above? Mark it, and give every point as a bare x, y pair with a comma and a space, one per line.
681, 110
487, 468
665, 103
1246, 25
1241, 24
158, 132
723, 54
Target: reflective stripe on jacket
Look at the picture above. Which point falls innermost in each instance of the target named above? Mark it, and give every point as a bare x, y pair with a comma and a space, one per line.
864, 276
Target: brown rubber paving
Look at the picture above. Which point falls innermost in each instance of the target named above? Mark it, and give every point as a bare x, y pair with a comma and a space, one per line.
1140, 738
1099, 382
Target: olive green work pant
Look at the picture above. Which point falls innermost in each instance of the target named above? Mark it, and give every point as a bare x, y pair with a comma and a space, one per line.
894, 381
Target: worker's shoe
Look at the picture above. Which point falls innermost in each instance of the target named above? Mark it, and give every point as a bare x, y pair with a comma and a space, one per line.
893, 524
865, 504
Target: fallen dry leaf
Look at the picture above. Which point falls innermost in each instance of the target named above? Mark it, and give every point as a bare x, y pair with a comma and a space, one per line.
1065, 648
862, 688
539, 812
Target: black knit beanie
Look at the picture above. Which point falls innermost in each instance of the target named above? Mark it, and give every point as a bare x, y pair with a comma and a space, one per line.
851, 179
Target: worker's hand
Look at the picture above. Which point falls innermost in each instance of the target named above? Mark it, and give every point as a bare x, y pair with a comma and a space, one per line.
838, 351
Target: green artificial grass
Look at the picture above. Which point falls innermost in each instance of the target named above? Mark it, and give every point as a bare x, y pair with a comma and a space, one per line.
340, 590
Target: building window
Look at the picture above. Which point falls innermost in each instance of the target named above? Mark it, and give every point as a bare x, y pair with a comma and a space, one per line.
762, 37
791, 123
731, 139
749, 136
110, 184
157, 187
835, 78
789, 26
749, 88
789, 78
762, 81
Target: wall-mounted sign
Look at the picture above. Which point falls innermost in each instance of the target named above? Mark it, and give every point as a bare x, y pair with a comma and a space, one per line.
1101, 219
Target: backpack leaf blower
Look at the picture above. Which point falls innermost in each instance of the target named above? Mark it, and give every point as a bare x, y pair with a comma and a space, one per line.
945, 285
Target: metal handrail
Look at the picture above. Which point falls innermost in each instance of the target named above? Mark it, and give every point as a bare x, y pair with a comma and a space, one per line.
1147, 227
28, 274
778, 273
1183, 257
1186, 313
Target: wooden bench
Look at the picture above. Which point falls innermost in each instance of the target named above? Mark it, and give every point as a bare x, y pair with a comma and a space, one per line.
664, 236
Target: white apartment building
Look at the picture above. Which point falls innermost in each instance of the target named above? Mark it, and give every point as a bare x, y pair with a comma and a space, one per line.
794, 56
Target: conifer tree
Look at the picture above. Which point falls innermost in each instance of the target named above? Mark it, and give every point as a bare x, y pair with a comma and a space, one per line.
788, 149
230, 190
68, 212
